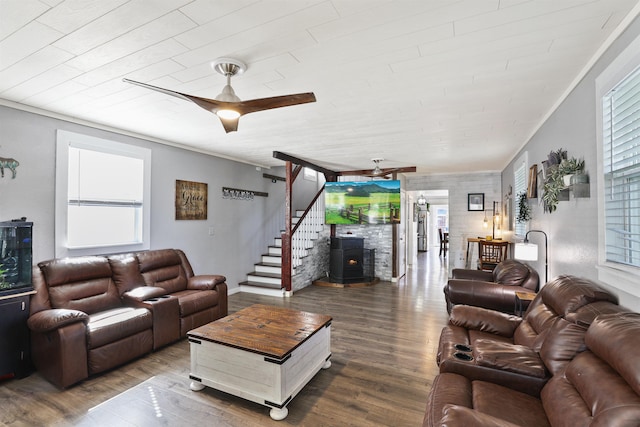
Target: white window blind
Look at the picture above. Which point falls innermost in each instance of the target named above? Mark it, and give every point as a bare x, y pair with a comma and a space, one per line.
621, 168
103, 192
105, 198
520, 186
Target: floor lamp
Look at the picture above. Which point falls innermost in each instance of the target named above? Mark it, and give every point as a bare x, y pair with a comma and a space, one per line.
527, 251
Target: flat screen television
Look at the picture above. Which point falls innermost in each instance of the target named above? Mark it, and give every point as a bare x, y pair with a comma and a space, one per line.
362, 202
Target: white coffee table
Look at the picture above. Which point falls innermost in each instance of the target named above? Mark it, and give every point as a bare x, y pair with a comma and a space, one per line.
262, 353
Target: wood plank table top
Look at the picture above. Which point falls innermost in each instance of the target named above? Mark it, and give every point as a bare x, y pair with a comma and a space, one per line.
263, 329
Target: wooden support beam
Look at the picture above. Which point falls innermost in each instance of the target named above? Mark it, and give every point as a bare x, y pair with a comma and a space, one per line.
304, 163
273, 178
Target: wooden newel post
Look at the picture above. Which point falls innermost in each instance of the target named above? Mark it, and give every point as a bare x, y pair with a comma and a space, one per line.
286, 236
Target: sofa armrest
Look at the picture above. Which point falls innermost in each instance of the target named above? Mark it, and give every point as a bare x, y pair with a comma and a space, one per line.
514, 358
456, 415
142, 293
492, 295
205, 281
48, 320
482, 319
468, 274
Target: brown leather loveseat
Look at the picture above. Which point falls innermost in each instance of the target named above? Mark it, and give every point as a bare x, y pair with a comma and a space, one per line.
93, 313
598, 387
524, 353
491, 289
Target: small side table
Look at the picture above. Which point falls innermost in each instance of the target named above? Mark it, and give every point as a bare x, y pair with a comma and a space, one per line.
520, 298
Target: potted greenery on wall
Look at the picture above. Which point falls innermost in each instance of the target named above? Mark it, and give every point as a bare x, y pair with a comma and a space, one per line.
524, 210
555, 181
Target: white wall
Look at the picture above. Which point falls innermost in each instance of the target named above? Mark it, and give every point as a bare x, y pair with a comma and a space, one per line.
573, 227
242, 229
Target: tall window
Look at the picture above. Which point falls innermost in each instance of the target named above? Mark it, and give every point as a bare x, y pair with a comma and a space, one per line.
520, 186
102, 195
621, 169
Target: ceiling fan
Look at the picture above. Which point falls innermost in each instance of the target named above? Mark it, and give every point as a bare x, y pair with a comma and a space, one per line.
377, 171
227, 106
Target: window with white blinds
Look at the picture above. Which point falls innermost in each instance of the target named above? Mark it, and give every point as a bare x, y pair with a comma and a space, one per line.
103, 192
520, 186
621, 169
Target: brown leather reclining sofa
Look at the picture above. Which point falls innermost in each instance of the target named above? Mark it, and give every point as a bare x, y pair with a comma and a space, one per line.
566, 362
598, 387
524, 352
93, 313
491, 289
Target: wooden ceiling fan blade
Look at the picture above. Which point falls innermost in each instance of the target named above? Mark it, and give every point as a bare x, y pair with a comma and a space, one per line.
241, 108
211, 105
159, 89
261, 104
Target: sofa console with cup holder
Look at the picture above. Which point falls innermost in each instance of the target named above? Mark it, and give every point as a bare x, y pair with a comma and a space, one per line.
525, 352
93, 313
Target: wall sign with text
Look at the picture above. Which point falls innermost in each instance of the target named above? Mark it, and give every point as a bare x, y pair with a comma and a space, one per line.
191, 200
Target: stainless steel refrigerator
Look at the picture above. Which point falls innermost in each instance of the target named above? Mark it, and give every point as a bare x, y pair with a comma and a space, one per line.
423, 219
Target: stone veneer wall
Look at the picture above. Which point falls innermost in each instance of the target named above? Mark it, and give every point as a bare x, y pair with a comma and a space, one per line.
376, 237
316, 264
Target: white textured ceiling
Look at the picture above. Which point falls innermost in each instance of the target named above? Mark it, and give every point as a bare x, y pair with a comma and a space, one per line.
444, 85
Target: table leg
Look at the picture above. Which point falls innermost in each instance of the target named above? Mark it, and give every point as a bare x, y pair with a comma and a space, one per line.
279, 414
196, 386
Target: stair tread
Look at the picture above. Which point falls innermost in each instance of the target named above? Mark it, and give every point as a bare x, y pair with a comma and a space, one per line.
261, 284
261, 274
269, 264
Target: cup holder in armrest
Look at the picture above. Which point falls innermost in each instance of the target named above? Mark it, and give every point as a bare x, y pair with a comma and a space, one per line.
463, 356
463, 347
165, 296
152, 299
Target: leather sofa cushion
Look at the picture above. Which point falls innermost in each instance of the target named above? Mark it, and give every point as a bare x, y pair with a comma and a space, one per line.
451, 389
591, 393
566, 294
614, 338
563, 341
80, 283
113, 325
538, 319
77, 269
193, 301
516, 407
126, 273
510, 272
455, 415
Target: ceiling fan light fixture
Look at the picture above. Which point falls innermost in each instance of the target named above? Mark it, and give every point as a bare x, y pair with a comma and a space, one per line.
376, 170
227, 114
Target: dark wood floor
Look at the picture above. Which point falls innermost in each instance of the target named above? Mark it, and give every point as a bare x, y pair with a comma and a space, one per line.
384, 340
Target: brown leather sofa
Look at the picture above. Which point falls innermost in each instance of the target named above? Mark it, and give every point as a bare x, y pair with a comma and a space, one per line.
495, 289
93, 313
598, 387
524, 353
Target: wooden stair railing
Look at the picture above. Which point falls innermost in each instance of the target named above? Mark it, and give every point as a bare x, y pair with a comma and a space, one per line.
290, 176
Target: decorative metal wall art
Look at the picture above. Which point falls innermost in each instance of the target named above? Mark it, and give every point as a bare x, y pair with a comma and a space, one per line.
191, 200
10, 164
239, 194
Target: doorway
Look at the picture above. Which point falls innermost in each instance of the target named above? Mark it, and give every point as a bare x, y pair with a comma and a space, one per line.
429, 212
